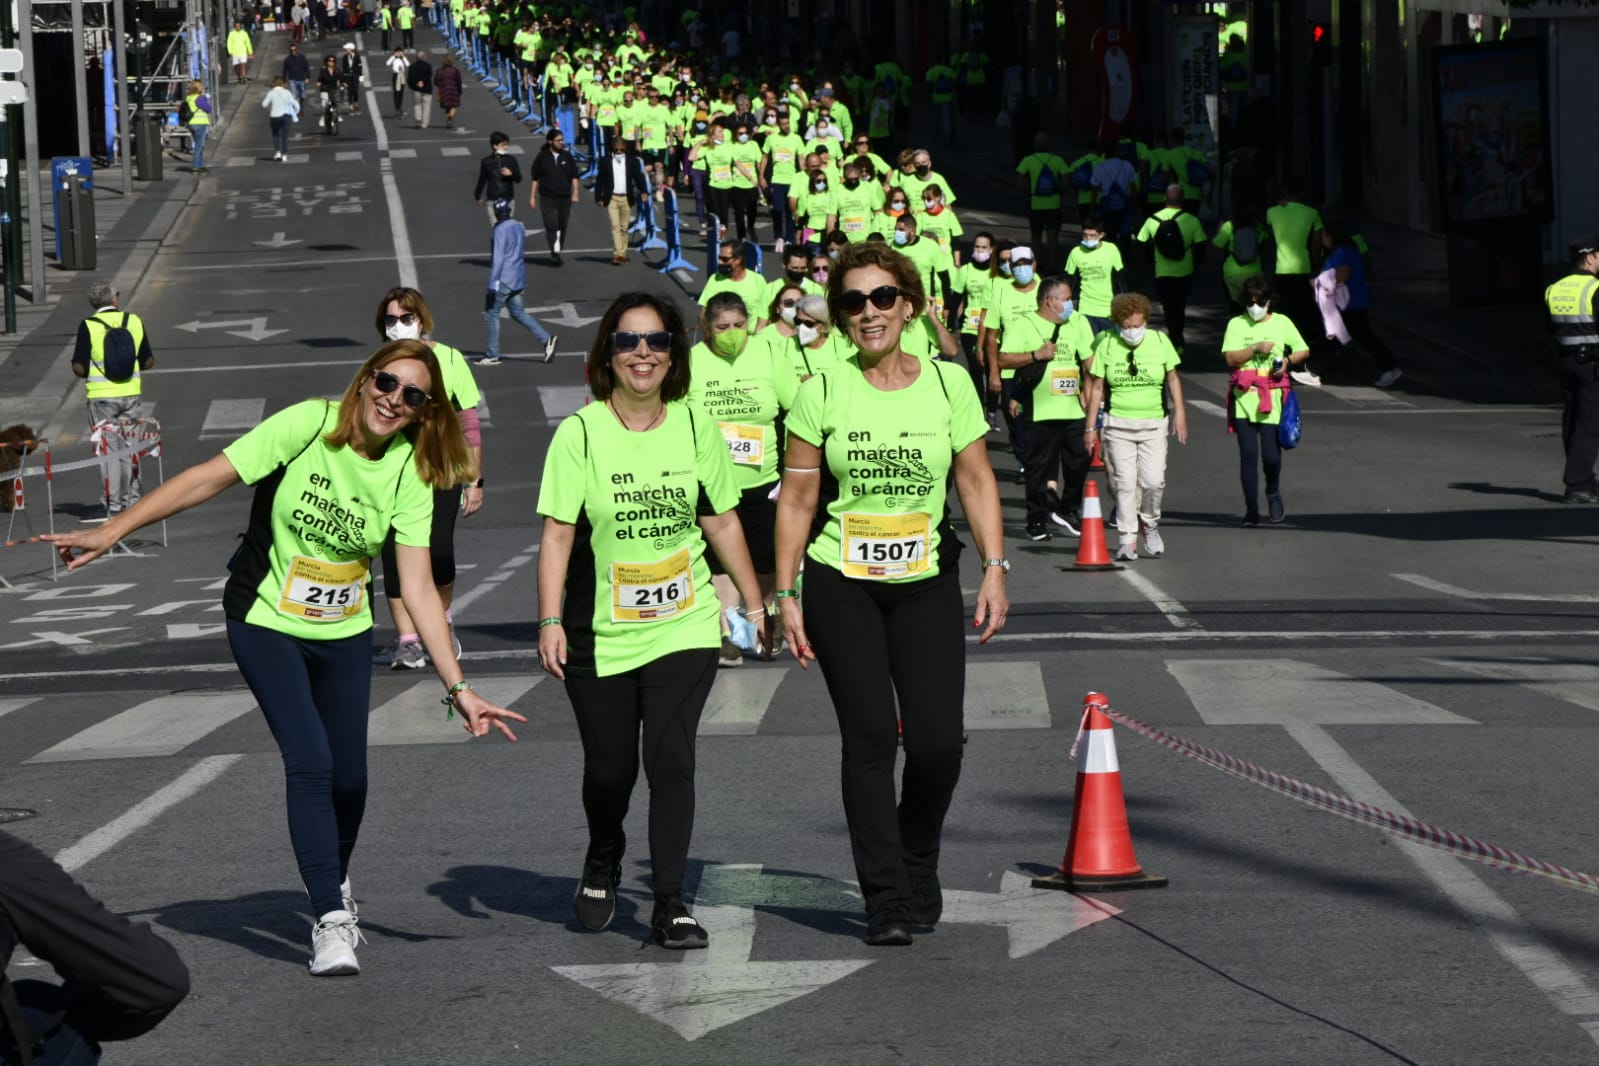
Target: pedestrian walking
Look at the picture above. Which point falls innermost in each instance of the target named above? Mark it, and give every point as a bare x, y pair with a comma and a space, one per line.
497, 175
296, 71
112, 350
554, 180
1177, 239
284, 111
1295, 229
351, 73
328, 84
627, 613
882, 612
398, 66
1573, 306
419, 75
1261, 348
385, 24
619, 187
1042, 177
1348, 265
405, 18
239, 51
197, 106
298, 618
447, 83
507, 280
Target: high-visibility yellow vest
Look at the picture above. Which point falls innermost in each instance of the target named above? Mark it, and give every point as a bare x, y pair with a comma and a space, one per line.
1570, 305
196, 116
97, 385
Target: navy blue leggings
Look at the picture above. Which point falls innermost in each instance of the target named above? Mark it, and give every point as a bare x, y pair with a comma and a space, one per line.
315, 695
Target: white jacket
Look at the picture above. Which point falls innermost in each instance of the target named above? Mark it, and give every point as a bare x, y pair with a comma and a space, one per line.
281, 102
1331, 298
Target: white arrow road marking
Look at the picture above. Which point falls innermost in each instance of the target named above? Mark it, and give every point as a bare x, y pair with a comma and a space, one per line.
1467, 594
279, 240
715, 988
569, 316
67, 639
257, 328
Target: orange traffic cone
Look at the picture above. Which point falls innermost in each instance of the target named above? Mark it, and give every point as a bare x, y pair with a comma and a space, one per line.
1098, 461
1091, 551
1099, 852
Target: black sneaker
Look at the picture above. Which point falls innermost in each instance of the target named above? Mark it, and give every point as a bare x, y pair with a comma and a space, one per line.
1071, 523
674, 927
1036, 531
927, 898
890, 929
1274, 509
1250, 520
595, 901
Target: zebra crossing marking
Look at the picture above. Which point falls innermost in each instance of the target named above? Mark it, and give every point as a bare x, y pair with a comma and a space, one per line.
164, 725
1006, 696
1572, 682
229, 418
7, 706
402, 153
739, 701
455, 150
1269, 691
415, 716
347, 157
562, 400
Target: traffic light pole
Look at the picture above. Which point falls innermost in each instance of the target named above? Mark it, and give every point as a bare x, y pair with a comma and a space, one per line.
10, 186
30, 141
124, 116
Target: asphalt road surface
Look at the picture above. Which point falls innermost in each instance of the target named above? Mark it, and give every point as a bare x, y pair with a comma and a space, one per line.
1418, 635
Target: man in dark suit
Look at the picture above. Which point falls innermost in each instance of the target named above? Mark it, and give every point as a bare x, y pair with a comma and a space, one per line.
619, 187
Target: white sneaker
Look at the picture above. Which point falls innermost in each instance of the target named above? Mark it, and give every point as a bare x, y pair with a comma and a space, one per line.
333, 944
1306, 377
1152, 542
1388, 378
347, 896
1128, 552
549, 347
556, 247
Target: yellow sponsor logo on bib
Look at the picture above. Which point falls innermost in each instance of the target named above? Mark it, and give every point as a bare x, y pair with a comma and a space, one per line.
882, 546
652, 592
319, 591
854, 223
746, 443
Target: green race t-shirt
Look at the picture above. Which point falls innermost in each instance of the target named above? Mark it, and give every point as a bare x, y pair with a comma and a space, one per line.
744, 396
974, 281
1140, 394
459, 383
784, 150
320, 515
887, 458
1244, 332
745, 160
808, 362
1193, 233
1007, 304
856, 207
1095, 269
1058, 395
751, 288
637, 586
1032, 168
1291, 224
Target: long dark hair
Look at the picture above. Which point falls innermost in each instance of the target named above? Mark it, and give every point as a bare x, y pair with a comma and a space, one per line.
602, 379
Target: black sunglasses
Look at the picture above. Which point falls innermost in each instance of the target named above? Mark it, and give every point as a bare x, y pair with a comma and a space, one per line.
407, 319
627, 340
798, 321
883, 297
412, 395
1132, 367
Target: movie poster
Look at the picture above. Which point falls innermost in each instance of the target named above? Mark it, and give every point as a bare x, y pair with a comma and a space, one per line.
1493, 133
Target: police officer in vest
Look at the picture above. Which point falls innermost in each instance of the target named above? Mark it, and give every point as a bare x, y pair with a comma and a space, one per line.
112, 381
1573, 304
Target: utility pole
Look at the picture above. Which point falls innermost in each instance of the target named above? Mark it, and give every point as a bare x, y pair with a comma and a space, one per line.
124, 119
30, 127
10, 185
80, 91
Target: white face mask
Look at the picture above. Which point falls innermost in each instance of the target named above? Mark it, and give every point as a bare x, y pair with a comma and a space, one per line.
401, 332
808, 334
1257, 312
1133, 336
787, 314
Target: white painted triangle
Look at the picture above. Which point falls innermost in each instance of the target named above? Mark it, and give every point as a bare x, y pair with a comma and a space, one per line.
1034, 918
189, 630
1576, 683
1281, 691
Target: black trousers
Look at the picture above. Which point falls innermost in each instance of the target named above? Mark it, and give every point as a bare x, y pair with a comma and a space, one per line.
556, 211
1257, 443
122, 978
1357, 320
1173, 295
441, 545
1579, 422
877, 641
1056, 452
1296, 300
720, 201
665, 697
745, 203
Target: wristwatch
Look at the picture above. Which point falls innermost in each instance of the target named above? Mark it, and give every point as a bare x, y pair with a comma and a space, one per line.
478, 483
1003, 564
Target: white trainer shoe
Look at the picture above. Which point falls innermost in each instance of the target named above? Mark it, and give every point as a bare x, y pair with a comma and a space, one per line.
1128, 552
347, 896
1308, 378
1153, 544
333, 943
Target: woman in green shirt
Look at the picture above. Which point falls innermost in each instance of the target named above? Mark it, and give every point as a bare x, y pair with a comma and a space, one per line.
628, 617
1139, 367
1261, 347
872, 444
331, 482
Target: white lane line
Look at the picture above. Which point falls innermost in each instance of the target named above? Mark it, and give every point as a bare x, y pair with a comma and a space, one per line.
1576, 683
1209, 408
415, 716
227, 418
1467, 594
1005, 696
402, 153
349, 157
1174, 611
162, 726
738, 701
455, 151
7, 706
255, 366
1498, 920
489, 584
1363, 396
144, 812
1271, 691
404, 261
1194, 636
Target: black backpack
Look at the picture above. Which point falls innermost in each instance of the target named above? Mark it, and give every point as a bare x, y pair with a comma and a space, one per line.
1246, 244
1030, 376
1047, 184
185, 112
120, 352
1170, 241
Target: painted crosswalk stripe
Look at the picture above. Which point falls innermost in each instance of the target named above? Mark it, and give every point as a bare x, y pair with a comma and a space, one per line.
161, 726
402, 153
1576, 683
1359, 396
1006, 696
455, 151
738, 701
7, 706
239, 161
562, 400
347, 157
416, 717
297, 157
228, 418
1268, 691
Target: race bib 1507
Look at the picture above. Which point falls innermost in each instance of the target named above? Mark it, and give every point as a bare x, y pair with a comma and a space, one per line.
882, 546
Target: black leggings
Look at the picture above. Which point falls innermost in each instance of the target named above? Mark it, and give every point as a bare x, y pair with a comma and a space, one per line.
1256, 439
315, 695
876, 641
441, 545
666, 696
745, 204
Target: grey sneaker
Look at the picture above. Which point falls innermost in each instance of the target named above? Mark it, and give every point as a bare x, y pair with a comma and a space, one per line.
731, 655
1128, 552
455, 641
1152, 542
409, 655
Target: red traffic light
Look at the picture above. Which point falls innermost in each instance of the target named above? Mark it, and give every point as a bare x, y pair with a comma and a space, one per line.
1318, 33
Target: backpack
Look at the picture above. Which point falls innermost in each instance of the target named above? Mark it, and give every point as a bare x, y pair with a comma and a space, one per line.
185, 112
1246, 245
1047, 184
941, 84
121, 353
1082, 178
1198, 172
1170, 241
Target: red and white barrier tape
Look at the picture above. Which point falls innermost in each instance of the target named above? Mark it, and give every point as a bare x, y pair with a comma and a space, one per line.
1398, 825
50, 468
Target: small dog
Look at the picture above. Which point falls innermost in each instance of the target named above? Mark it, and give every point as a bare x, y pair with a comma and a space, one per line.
15, 442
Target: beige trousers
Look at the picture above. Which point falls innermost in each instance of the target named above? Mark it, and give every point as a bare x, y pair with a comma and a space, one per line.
621, 214
1135, 453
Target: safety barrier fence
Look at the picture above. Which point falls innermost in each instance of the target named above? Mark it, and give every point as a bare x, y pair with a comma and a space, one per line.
113, 441
1400, 825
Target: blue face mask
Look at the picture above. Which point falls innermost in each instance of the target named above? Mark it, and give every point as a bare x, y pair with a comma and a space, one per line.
900, 237
1066, 309
1023, 275
1004, 268
1090, 244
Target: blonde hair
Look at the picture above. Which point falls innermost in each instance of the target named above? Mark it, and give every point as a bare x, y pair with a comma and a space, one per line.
442, 458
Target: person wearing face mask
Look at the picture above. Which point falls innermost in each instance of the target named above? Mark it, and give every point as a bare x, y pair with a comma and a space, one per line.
507, 280
1046, 351
939, 223
968, 286
998, 278
795, 264
816, 212
732, 276
895, 207
915, 178
619, 188
933, 263
1138, 366
299, 618
744, 388
817, 346
776, 327
1095, 270
555, 177
1007, 304
858, 200
1260, 347
717, 153
784, 149
876, 170
697, 132
498, 174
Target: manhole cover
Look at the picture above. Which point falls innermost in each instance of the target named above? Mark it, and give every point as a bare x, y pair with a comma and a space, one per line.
15, 814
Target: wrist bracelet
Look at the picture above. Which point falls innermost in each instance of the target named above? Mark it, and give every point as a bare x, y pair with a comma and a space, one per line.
758, 612
785, 594
545, 623
449, 698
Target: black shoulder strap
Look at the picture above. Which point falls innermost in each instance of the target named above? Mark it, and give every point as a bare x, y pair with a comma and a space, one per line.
13, 1026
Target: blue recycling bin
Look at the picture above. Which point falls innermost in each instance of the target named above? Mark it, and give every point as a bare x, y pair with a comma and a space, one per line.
63, 167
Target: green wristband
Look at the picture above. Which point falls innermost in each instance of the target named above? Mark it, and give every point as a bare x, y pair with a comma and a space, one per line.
784, 594
449, 698
545, 623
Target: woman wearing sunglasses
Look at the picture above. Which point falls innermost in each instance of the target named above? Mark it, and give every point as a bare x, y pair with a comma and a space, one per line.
1139, 365
402, 314
874, 441
635, 485
1261, 347
331, 482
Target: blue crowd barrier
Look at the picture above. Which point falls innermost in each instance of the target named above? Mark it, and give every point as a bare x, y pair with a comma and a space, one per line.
674, 237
